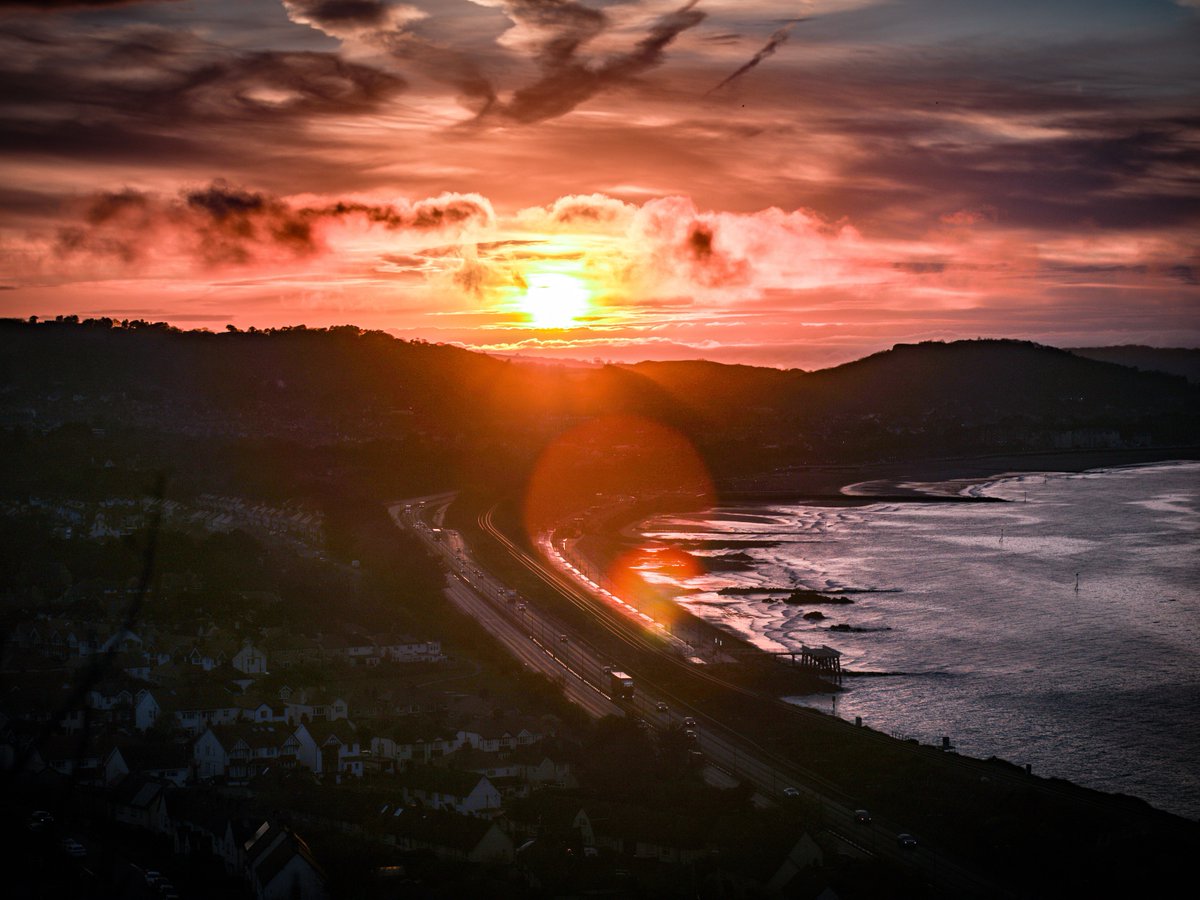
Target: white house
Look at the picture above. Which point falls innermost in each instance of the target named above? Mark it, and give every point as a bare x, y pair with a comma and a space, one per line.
449, 835
280, 867
461, 792
210, 758
250, 659
140, 801
145, 710
407, 649
338, 750
492, 737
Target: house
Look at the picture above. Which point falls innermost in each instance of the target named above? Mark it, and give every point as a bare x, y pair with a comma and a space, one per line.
337, 745
300, 749
210, 757
82, 760
231, 848
252, 747
287, 650
410, 742
804, 853
555, 819
250, 659
108, 696
309, 706
462, 792
139, 801
199, 821
643, 832
135, 665
145, 710
407, 649
205, 658
280, 866
201, 705
494, 736
541, 769
256, 710
448, 835
164, 762
121, 641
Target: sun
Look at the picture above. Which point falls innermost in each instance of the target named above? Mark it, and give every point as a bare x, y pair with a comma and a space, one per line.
555, 300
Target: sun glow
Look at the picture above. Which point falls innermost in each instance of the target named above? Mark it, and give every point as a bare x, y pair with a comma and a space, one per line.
555, 300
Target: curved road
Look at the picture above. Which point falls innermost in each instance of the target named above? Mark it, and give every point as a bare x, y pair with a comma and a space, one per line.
542, 643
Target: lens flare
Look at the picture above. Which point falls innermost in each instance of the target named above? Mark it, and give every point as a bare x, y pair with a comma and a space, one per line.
598, 476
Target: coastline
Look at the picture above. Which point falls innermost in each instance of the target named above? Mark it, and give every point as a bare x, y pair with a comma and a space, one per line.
904, 478
824, 488
919, 481
618, 529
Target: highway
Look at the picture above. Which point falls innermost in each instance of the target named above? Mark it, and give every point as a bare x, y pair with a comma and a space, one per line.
544, 643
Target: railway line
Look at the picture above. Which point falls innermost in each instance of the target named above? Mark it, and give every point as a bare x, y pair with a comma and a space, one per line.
542, 642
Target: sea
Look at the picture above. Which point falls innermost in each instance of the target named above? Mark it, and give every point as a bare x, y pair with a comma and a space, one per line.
1058, 630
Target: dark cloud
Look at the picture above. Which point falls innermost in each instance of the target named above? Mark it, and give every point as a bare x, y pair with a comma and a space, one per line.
1185, 274
55, 5
342, 12
224, 224
424, 215
567, 78
591, 208
700, 239
777, 38
160, 96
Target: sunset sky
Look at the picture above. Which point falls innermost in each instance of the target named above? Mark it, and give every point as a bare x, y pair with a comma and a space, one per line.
781, 183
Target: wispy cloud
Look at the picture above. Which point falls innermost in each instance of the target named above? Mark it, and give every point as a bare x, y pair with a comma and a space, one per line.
777, 39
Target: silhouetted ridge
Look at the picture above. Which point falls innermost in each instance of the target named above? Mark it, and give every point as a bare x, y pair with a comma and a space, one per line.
467, 415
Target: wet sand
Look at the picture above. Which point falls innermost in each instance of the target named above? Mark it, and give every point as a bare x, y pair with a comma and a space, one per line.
918, 478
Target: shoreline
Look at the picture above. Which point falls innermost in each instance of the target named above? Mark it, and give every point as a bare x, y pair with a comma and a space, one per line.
900, 479
918, 481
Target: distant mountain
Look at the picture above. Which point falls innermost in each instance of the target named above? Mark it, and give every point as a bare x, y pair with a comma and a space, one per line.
1183, 361
911, 381
358, 398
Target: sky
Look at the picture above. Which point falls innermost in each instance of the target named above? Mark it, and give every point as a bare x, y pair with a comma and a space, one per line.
792, 184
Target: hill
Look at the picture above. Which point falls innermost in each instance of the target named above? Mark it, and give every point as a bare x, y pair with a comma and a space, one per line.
1183, 361
931, 399
299, 408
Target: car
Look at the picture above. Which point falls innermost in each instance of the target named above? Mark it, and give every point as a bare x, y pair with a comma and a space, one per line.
862, 817
562, 638
689, 722
906, 842
73, 848
690, 735
153, 878
40, 820
661, 707
791, 792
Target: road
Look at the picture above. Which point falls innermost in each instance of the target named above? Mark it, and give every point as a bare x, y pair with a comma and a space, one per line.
544, 643
532, 636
